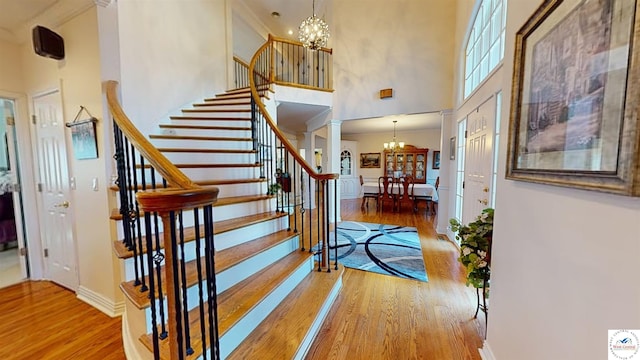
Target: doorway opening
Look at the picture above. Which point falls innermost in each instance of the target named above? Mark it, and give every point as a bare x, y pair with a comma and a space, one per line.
13, 260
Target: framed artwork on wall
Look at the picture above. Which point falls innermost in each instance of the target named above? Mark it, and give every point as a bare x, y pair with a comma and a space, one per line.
575, 97
369, 160
435, 163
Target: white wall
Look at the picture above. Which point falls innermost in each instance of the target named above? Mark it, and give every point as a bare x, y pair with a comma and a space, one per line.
406, 45
173, 53
564, 260
78, 77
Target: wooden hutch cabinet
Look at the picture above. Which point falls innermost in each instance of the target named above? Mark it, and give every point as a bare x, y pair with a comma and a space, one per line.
407, 161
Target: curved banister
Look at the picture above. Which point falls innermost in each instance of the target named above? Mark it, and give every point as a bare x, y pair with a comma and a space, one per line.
285, 142
166, 168
292, 42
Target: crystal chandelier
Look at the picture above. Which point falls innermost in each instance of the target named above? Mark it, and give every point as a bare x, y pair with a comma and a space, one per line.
394, 145
313, 32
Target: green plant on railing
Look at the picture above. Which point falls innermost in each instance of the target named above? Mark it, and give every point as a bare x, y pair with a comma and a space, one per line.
475, 247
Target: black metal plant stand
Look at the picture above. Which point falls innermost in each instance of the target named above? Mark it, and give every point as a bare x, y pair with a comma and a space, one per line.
482, 306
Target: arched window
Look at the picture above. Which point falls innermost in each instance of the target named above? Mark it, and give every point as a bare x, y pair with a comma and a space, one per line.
345, 162
485, 45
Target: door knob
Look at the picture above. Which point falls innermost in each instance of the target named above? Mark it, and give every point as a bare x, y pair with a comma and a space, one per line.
64, 204
486, 189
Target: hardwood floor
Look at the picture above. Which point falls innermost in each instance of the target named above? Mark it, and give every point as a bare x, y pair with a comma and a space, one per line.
384, 317
41, 320
374, 317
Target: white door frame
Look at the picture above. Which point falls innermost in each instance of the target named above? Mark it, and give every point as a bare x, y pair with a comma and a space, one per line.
28, 183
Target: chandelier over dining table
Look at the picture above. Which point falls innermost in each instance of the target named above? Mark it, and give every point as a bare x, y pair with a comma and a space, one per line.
313, 33
394, 145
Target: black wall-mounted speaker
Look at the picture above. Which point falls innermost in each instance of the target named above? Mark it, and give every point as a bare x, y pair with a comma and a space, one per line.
47, 43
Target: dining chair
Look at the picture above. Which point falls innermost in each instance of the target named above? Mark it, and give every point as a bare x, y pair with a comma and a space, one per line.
434, 203
405, 196
385, 192
367, 195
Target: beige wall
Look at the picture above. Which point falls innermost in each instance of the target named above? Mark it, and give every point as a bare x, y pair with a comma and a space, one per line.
563, 259
10, 67
78, 77
406, 45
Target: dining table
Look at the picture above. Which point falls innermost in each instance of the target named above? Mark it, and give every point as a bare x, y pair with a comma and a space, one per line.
423, 192
420, 190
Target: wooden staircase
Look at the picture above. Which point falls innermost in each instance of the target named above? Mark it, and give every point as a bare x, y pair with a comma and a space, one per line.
271, 298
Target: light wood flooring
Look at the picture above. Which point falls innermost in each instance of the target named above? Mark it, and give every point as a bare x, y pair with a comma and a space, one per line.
374, 317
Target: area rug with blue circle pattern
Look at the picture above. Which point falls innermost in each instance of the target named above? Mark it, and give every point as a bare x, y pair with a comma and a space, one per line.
380, 248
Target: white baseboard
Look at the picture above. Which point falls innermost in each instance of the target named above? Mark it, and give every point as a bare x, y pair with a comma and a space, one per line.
485, 352
100, 302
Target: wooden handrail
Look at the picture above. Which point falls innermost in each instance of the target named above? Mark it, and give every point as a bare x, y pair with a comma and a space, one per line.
166, 168
240, 61
293, 42
256, 96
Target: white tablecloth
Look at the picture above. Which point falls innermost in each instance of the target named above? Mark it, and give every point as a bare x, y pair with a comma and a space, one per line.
418, 189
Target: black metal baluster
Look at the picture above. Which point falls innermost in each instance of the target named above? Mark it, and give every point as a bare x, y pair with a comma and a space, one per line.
211, 283
326, 208
143, 284
295, 196
176, 284
335, 220
310, 214
158, 258
203, 330
183, 274
319, 244
131, 215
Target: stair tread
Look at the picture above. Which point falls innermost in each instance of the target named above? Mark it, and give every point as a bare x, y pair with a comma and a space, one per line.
225, 259
209, 118
216, 110
219, 227
194, 137
224, 102
115, 213
207, 166
204, 127
212, 151
236, 302
203, 182
293, 316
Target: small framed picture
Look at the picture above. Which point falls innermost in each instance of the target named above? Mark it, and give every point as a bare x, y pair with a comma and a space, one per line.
435, 164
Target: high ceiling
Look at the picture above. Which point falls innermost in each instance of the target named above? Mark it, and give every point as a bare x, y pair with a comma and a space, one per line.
18, 16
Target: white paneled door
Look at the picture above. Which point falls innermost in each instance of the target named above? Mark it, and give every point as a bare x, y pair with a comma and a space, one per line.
56, 225
349, 181
479, 160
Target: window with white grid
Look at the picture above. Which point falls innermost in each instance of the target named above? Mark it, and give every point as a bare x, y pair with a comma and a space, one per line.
485, 46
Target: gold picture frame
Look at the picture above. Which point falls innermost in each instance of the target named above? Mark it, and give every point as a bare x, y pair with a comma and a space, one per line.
369, 160
575, 96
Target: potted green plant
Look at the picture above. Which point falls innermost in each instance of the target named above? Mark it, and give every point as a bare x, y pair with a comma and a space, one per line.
273, 189
475, 247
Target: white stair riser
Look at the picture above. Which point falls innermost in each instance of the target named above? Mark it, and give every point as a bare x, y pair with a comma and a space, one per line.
210, 158
235, 133
224, 105
237, 273
232, 338
202, 113
223, 174
222, 241
243, 209
203, 122
203, 144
